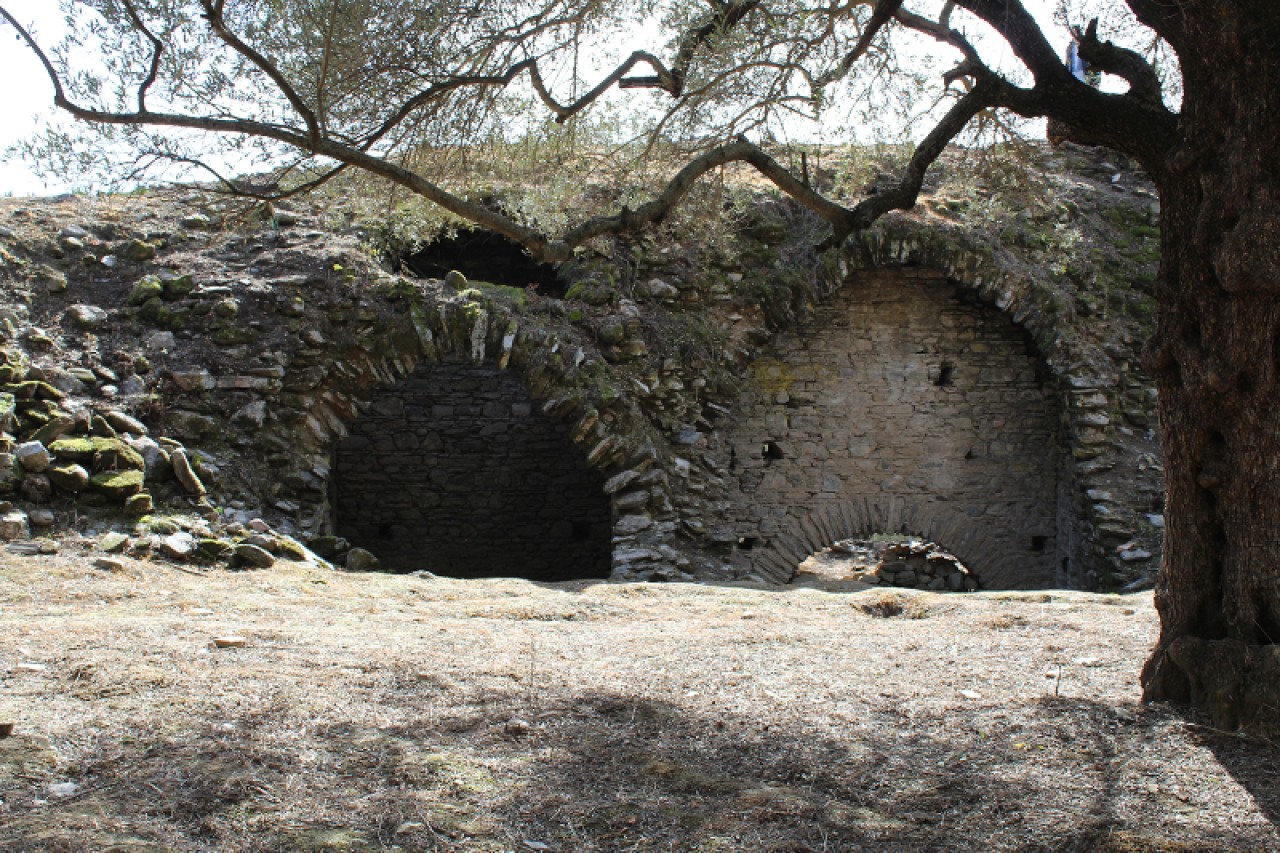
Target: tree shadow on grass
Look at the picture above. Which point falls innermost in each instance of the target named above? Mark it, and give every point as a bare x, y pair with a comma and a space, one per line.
589, 771
1252, 763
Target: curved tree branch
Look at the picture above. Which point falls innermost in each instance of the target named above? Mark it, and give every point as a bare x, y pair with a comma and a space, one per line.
904, 195
157, 49
213, 14
1144, 84
884, 11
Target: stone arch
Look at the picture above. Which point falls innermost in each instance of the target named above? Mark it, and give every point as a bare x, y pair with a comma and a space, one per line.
902, 405
864, 517
456, 470
478, 328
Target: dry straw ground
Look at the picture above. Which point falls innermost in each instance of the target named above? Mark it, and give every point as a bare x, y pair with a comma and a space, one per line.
372, 712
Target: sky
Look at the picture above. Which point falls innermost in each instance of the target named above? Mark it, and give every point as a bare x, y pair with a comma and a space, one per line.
27, 102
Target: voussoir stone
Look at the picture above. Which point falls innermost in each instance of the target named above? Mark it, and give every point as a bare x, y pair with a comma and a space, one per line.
185, 474
259, 558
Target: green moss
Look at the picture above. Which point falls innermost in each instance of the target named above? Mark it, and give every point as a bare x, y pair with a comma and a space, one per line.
230, 336
149, 287
111, 452
215, 549
179, 286
117, 485
33, 390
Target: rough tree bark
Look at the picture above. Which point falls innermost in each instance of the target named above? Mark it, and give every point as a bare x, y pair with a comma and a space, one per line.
1216, 361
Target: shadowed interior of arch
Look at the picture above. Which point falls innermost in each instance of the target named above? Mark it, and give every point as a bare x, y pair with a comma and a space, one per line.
484, 256
457, 471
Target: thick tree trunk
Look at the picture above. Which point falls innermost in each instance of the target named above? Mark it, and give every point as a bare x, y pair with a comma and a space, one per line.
1217, 367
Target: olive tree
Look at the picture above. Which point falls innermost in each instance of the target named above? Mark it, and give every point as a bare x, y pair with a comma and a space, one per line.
388, 86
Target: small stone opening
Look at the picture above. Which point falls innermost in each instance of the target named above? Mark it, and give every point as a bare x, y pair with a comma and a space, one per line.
887, 560
484, 256
457, 471
771, 451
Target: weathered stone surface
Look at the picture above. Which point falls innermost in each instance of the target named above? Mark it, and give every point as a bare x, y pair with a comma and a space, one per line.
139, 505
360, 560
33, 456
13, 525
250, 416
178, 546
192, 426
850, 416
185, 474
88, 317
252, 555
70, 477
193, 380
54, 429
117, 485
122, 422
459, 473
37, 488
42, 518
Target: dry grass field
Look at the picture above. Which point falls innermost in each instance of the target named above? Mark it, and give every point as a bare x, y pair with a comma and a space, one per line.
379, 712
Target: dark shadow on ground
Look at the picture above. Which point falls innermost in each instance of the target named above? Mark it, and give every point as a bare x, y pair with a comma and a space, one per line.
1254, 764
443, 769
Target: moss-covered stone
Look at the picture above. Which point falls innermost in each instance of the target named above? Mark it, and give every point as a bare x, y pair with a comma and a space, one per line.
118, 456
290, 549
148, 288
178, 286
35, 390
593, 292
138, 251
11, 473
215, 549
99, 451
139, 504
69, 478
117, 485
231, 336
159, 524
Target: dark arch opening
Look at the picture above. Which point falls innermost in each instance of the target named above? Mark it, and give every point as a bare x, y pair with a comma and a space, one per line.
484, 256
457, 471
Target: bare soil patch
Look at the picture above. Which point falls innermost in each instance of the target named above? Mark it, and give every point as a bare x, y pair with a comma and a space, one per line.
376, 712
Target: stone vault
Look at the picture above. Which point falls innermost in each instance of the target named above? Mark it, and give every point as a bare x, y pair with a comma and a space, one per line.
902, 405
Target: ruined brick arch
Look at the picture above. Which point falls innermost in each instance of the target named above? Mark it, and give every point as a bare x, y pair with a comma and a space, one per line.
904, 404
509, 371
867, 517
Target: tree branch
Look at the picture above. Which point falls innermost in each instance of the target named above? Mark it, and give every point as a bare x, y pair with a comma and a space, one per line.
740, 150
884, 11
1144, 84
904, 195
729, 14
157, 48
213, 14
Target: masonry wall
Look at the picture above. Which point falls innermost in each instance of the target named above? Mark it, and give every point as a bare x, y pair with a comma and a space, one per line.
455, 470
898, 407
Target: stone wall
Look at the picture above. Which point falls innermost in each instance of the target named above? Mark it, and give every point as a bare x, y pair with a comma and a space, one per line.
455, 470
259, 346
901, 405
